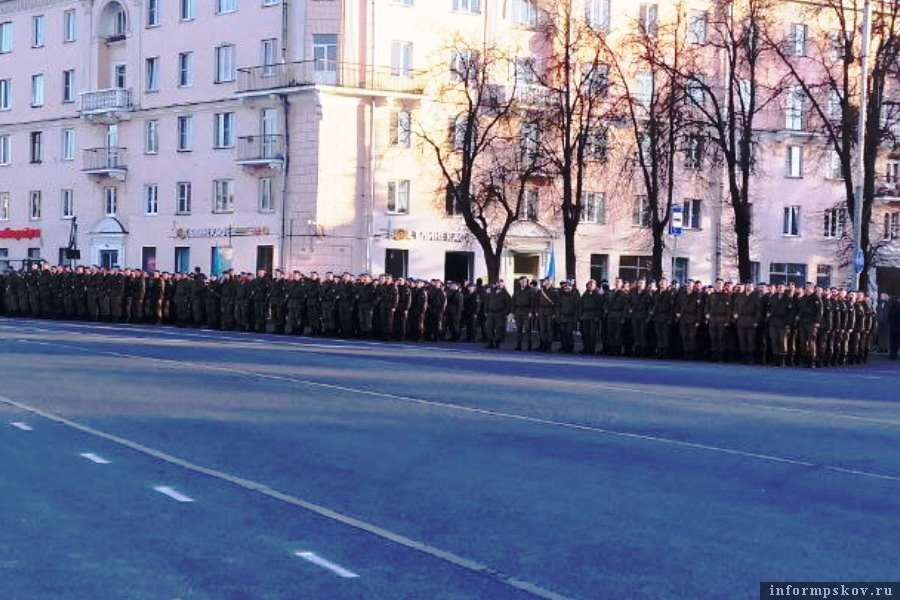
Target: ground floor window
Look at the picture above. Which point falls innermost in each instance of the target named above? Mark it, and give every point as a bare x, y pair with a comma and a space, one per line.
396, 262
600, 267
632, 268
109, 259
34, 257
265, 258
823, 276
787, 273
458, 266
754, 272
182, 259
148, 258
63, 257
4, 259
680, 268
526, 264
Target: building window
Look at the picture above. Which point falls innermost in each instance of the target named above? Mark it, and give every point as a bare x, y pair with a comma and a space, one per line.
269, 55
185, 134
5, 94
152, 13
225, 63
224, 130
120, 24
833, 168
795, 162
398, 197
185, 69
891, 226
458, 132
223, 196
37, 90
110, 201
325, 58
4, 206
797, 42
835, 220
823, 276
524, 13
530, 208
68, 144
693, 152
266, 195
68, 85
834, 108
529, 144
893, 171
67, 201
37, 31
600, 267
790, 224
36, 146
452, 205
467, 6
836, 46
69, 26
793, 111
5, 149
632, 268
152, 72
649, 22
182, 259
640, 214
594, 208
596, 12
34, 205
401, 58
225, 6
784, 273
183, 198
187, 10
119, 76
151, 200
151, 136
645, 82
265, 258
596, 144
396, 262
691, 214
4, 263
697, 27
401, 128
681, 268
6, 37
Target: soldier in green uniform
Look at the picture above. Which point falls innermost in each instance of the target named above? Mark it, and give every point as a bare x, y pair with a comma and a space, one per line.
662, 314
719, 311
568, 312
213, 299
781, 312
401, 314
639, 303
591, 307
198, 298
523, 307
616, 313
454, 310
809, 319
689, 314
547, 297
278, 301
417, 311
471, 308
328, 301
434, 314
227, 297
259, 297
498, 306
748, 310
365, 305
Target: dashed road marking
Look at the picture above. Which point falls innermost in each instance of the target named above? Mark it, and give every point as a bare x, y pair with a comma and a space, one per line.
172, 493
22, 426
95, 458
326, 564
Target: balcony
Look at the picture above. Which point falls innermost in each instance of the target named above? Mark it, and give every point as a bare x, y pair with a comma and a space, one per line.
528, 95
105, 162
109, 105
887, 190
295, 76
261, 150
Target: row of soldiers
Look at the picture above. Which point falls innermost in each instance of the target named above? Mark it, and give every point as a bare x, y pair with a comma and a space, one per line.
781, 324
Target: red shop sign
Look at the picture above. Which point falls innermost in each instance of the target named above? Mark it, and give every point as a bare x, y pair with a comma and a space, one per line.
20, 234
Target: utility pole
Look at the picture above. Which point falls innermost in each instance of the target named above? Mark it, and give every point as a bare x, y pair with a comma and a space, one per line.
858, 257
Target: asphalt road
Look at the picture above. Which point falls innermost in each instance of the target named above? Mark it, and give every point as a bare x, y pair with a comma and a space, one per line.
158, 463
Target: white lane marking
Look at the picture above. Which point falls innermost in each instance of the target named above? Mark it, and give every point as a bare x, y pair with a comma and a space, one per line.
326, 564
172, 493
265, 490
22, 426
94, 458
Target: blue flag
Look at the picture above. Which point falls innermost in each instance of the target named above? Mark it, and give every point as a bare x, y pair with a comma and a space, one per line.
551, 268
216, 262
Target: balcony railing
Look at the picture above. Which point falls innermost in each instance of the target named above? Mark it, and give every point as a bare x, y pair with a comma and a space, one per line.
260, 149
267, 78
110, 100
524, 94
104, 161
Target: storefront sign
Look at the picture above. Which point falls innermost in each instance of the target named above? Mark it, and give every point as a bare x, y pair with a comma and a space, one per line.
184, 233
20, 234
454, 237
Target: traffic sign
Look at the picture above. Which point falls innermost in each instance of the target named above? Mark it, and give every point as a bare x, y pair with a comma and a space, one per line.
677, 220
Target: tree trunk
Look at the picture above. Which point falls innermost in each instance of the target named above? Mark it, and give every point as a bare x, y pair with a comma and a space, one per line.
492, 262
659, 246
742, 234
571, 256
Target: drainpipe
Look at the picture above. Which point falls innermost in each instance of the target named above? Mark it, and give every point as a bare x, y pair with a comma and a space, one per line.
370, 217
285, 173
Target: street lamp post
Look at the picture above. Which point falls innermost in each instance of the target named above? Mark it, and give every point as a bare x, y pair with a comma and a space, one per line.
859, 189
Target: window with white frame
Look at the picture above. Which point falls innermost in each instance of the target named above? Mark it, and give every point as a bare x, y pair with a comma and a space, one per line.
69, 26
120, 23
645, 88
836, 46
823, 276
597, 143
223, 196
5, 94
152, 13
892, 226
467, 6
892, 174
4, 206
691, 214
38, 31
693, 152
453, 205
697, 21
34, 205
401, 58
784, 273
151, 199
6, 37
640, 214
5, 149
593, 208
401, 128
37, 90
681, 268
463, 64
68, 85
266, 194
798, 39
530, 208
398, 197
596, 77
529, 143
790, 223
793, 111
649, 19
596, 12
458, 131
794, 162
834, 109
224, 130
151, 136
185, 133
67, 203
695, 89
834, 221
268, 54
185, 69
183, 198
833, 165
746, 92
152, 74
225, 63
187, 10
68, 144
225, 6
110, 201
524, 13
36, 139
525, 71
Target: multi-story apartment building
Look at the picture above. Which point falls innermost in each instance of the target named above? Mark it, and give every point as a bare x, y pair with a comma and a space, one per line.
300, 134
